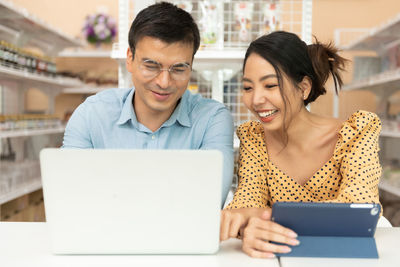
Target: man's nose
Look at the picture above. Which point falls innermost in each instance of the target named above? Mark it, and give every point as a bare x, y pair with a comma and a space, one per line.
163, 79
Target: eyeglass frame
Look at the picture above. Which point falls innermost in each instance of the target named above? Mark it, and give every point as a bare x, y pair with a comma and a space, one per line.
160, 69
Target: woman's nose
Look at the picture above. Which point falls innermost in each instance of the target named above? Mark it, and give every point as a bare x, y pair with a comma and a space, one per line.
259, 96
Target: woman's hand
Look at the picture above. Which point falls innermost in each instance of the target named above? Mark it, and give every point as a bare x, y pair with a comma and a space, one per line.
231, 223
260, 230
234, 221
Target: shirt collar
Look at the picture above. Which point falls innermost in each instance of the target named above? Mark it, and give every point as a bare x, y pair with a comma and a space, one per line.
127, 111
180, 114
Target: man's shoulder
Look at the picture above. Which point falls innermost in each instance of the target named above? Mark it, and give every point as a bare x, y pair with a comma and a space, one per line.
202, 111
196, 103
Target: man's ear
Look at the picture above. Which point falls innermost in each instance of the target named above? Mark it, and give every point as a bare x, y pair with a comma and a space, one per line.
305, 86
129, 60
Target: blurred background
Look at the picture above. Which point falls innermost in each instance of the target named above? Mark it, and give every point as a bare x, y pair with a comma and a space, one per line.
54, 54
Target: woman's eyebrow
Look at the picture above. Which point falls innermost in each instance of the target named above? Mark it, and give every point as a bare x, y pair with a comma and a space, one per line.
244, 79
267, 77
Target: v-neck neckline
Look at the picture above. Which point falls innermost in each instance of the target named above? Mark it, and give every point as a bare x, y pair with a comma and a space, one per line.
312, 177
294, 180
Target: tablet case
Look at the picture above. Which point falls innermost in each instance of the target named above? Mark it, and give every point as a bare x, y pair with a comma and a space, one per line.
336, 230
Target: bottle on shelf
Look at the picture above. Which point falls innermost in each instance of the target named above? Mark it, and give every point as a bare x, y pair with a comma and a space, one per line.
28, 122
23, 59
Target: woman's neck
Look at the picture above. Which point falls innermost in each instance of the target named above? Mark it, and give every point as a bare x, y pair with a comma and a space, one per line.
298, 132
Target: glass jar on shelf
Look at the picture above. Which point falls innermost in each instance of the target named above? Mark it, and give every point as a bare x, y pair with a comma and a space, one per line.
14, 55
6, 54
2, 52
41, 65
2, 123
22, 58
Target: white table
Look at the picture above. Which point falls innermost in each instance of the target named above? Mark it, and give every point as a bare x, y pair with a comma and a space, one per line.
28, 244
387, 242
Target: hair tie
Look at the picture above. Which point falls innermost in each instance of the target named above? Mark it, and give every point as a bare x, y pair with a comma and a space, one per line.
331, 59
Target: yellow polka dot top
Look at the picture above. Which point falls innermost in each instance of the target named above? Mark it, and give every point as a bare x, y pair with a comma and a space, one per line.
351, 175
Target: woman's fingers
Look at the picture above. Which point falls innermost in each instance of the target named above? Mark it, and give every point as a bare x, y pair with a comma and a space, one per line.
231, 222
272, 227
237, 222
266, 235
225, 225
265, 246
259, 232
254, 253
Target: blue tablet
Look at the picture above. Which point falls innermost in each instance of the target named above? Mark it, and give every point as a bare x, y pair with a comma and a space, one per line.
330, 229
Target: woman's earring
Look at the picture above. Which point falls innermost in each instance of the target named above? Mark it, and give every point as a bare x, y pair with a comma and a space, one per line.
304, 97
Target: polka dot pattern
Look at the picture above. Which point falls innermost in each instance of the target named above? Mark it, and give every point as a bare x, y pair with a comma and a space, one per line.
351, 175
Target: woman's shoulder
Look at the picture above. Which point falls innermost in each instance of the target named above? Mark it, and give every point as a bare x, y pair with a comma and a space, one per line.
249, 128
362, 121
360, 131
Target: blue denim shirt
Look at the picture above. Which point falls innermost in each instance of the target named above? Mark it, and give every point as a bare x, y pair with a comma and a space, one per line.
108, 120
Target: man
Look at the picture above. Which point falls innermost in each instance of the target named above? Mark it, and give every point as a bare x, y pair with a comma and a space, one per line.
158, 113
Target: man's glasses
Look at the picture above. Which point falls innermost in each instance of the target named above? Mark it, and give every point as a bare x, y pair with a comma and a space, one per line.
178, 71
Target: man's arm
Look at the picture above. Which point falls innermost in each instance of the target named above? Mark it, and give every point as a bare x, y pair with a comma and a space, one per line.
219, 136
77, 133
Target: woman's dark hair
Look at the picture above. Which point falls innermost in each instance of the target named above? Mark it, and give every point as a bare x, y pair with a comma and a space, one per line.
290, 56
287, 53
166, 22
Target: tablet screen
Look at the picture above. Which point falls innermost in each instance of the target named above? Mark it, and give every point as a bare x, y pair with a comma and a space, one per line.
327, 219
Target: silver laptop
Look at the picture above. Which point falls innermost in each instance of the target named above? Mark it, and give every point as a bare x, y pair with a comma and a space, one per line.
132, 201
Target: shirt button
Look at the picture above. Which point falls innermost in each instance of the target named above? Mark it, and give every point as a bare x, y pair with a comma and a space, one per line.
153, 137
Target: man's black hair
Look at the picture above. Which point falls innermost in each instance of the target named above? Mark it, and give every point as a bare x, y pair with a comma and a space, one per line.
166, 22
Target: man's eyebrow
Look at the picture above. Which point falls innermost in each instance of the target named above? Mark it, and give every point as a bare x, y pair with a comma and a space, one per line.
149, 59
177, 63
153, 61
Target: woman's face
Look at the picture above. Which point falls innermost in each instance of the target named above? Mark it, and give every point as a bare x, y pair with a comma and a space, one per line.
261, 94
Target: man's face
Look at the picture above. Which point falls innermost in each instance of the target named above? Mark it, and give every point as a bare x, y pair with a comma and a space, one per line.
157, 93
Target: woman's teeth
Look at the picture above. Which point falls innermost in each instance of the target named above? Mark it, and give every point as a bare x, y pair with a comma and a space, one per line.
267, 113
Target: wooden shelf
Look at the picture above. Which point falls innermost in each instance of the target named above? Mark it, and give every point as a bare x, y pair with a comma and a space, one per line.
9, 73
86, 89
23, 189
386, 133
386, 186
379, 37
22, 133
79, 53
388, 80
20, 26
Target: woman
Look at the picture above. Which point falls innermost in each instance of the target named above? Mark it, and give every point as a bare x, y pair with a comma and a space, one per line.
291, 154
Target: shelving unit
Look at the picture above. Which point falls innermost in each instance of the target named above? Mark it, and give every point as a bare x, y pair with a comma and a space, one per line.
378, 38
386, 186
33, 132
80, 53
386, 133
384, 83
23, 189
21, 76
87, 54
388, 80
22, 29
87, 90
